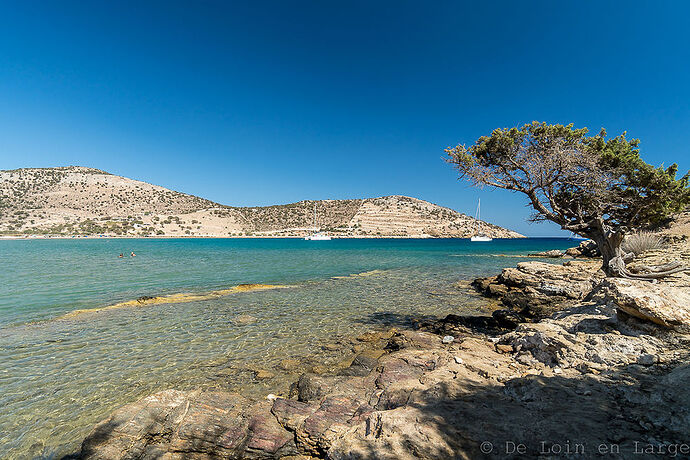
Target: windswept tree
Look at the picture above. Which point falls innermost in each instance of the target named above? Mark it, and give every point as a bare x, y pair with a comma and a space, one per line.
593, 186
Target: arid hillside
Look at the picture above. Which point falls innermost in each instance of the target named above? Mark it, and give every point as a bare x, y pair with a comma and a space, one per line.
76, 200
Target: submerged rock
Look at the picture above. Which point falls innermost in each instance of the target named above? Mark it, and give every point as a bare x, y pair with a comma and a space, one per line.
363, 363
553, 254
242, 320
290, 364
263, 374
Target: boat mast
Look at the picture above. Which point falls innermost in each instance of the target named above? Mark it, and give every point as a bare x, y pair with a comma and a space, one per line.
479, 201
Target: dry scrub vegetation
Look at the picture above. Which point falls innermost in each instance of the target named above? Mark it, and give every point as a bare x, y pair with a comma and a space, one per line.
84, 201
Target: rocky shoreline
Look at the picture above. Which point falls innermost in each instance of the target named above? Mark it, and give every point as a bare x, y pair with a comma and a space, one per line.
569, 364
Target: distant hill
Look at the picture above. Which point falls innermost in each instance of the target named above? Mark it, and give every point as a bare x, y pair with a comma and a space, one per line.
75, 200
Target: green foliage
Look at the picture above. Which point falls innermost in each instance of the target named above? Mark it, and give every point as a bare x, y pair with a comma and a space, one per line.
583, 183
650, 194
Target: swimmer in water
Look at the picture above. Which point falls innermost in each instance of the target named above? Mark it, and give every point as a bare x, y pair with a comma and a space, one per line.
133, 255
120, 256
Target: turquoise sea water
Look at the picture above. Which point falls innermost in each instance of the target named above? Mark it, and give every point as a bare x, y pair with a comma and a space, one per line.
61, 374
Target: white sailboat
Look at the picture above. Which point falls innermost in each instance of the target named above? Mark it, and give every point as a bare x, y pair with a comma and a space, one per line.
479, 236
317, 235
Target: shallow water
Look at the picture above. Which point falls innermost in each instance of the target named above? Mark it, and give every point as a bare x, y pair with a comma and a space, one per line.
60, 372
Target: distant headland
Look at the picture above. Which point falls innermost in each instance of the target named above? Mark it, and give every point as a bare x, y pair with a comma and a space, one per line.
80, 201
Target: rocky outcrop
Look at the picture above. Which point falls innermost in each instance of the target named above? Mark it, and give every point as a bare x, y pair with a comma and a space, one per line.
557, 376
586, 249
660, 304
535, 290
174, 424
178, 425
588, 337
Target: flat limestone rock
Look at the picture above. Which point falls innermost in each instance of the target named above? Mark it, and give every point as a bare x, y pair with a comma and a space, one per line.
661, 304
536, 290
176, 424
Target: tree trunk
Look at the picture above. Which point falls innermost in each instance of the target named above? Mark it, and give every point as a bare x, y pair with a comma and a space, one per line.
615, 259
609, 244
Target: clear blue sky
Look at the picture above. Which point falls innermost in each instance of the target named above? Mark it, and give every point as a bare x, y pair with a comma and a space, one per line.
255, 103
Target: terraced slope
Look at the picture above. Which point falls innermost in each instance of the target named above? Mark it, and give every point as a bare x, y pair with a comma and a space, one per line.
405, 216
76, 200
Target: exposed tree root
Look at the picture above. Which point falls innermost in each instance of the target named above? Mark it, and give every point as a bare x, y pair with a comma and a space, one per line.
618, 269
658, 268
